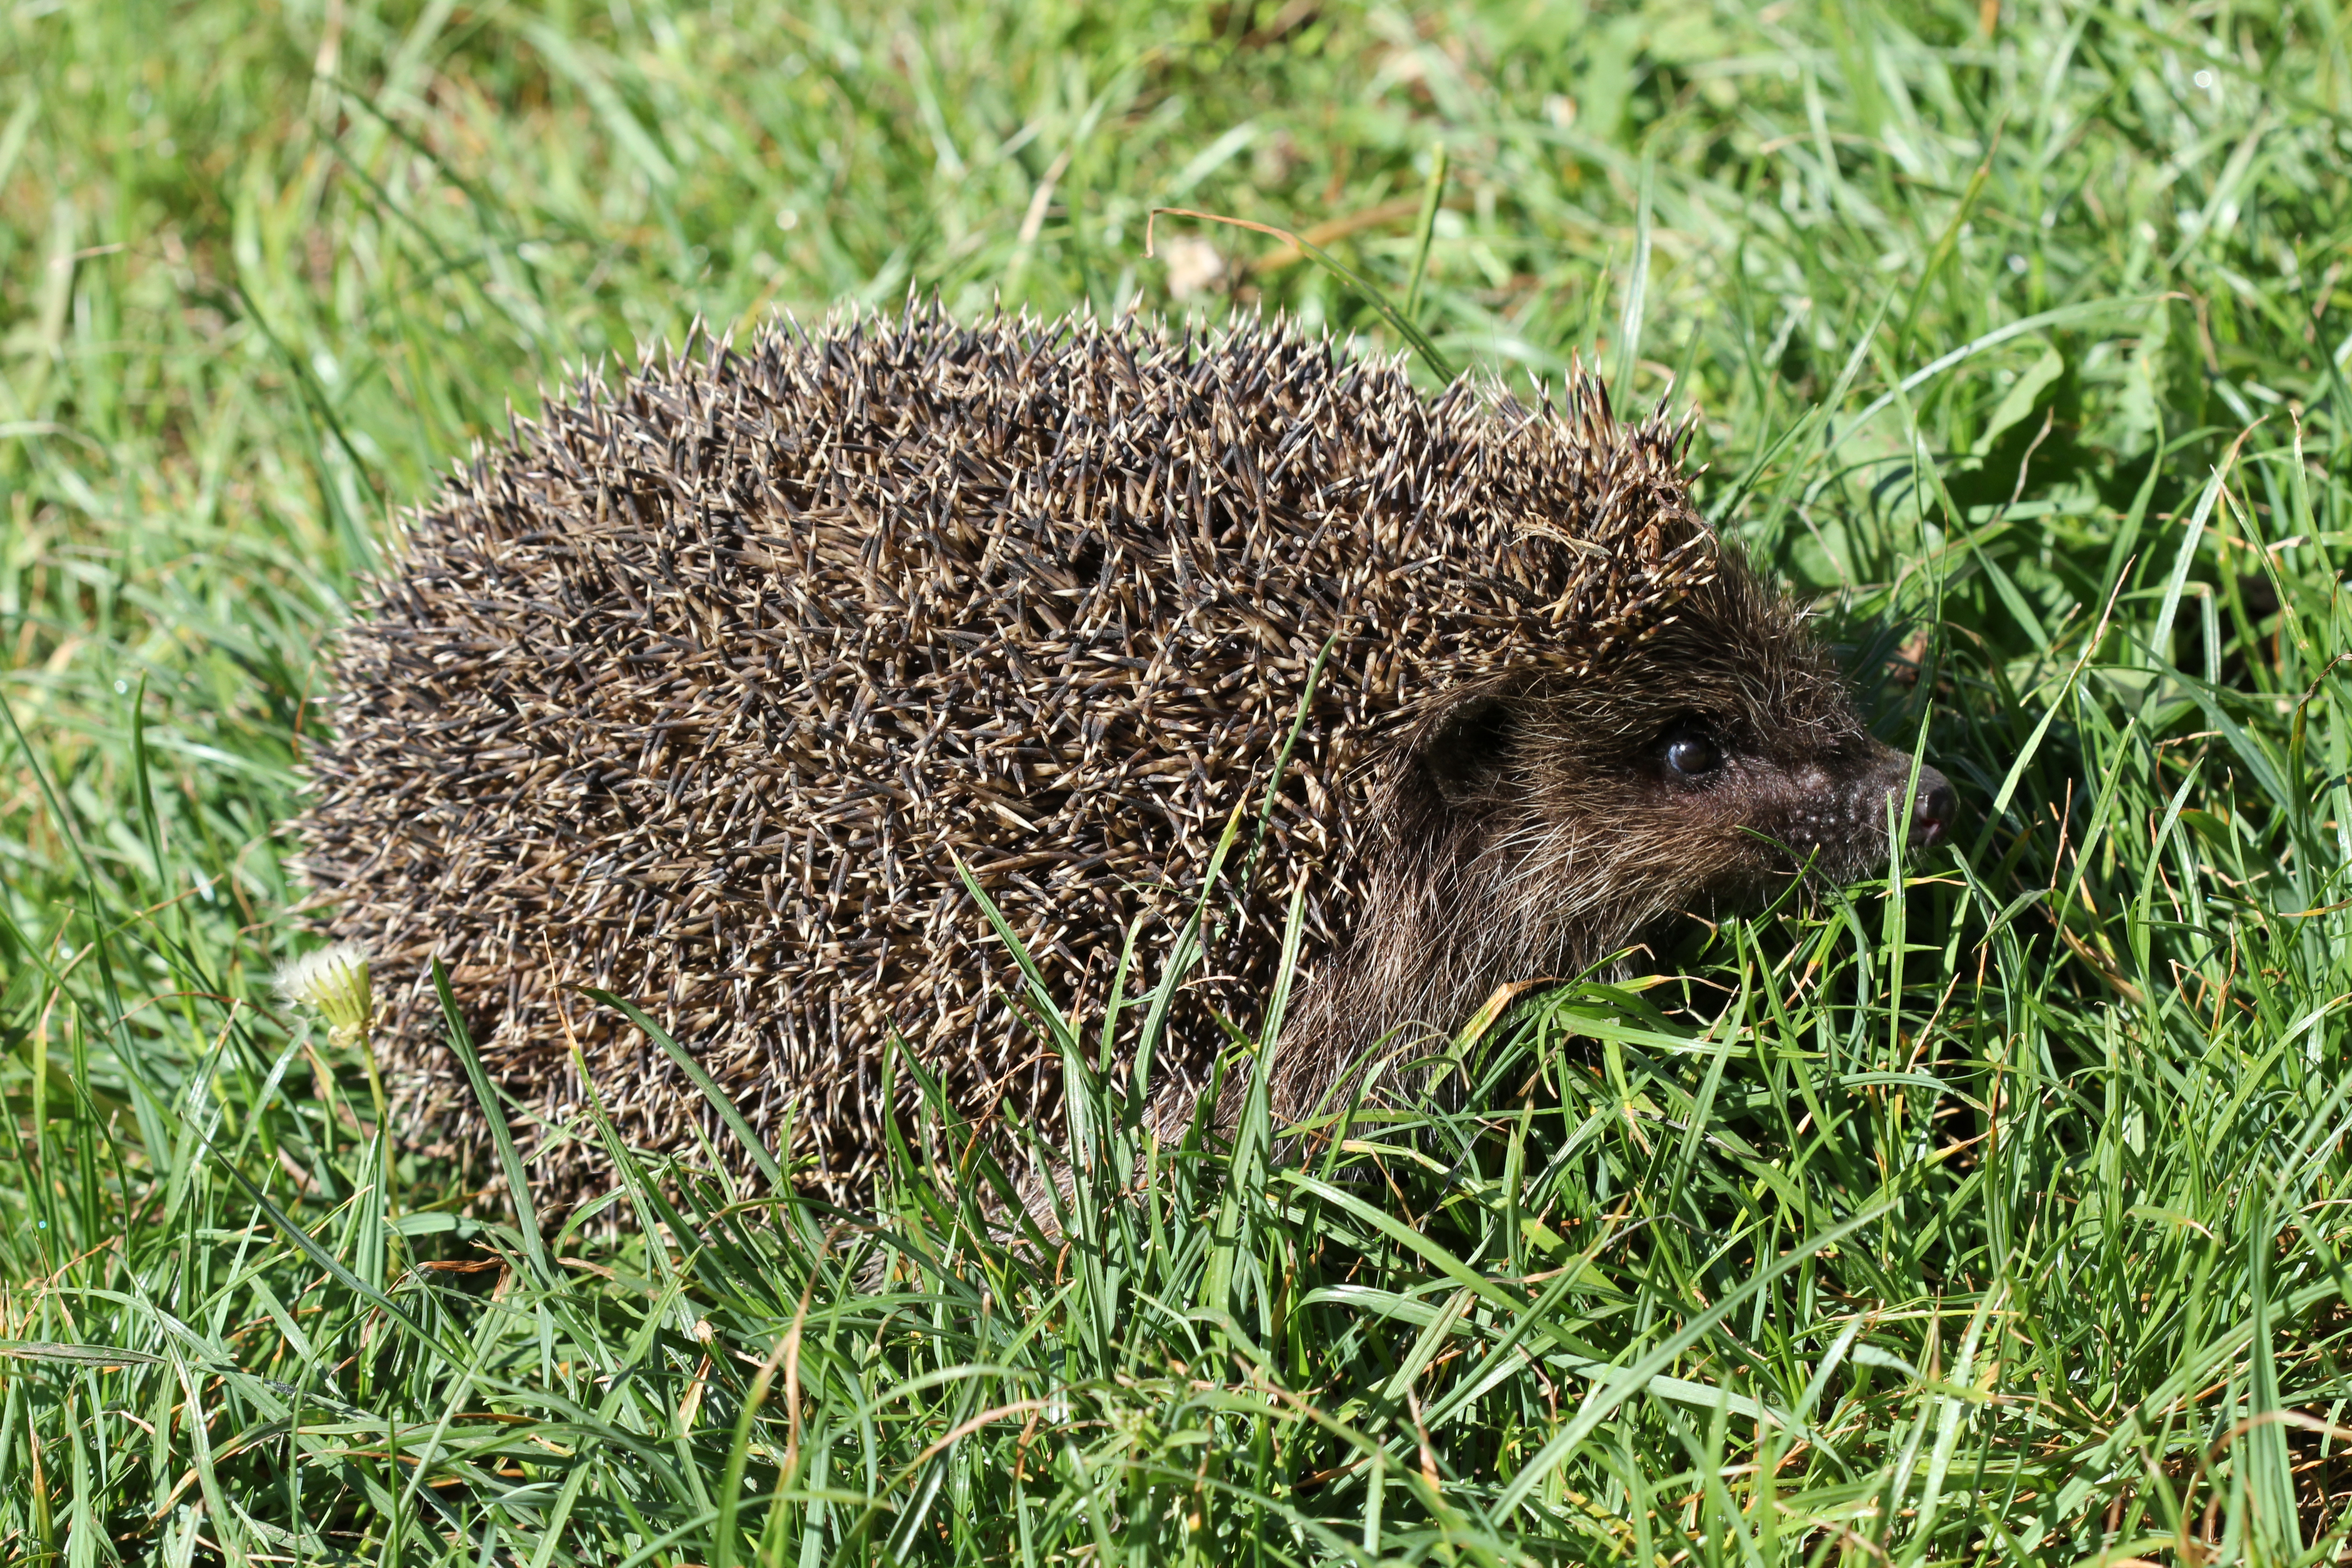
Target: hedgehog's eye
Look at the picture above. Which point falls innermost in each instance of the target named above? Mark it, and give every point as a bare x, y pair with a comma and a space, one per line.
1691, 752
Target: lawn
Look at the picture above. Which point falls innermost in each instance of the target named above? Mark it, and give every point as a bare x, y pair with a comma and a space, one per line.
1995, 1211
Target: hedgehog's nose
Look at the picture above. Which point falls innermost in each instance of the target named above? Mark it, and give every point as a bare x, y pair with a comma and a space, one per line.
1934, 809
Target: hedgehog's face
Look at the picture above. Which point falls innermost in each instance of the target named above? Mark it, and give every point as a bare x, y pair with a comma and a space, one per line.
1695, 773
1751, 802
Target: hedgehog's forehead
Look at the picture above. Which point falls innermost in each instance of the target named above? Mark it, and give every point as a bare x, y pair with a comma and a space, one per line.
1731, 649
1756, 663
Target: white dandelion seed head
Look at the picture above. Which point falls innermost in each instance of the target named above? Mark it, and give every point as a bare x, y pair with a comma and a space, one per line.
334, 979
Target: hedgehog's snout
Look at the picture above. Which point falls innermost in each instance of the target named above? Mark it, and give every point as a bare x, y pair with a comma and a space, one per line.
1833, 811
1934, 809
1933, 806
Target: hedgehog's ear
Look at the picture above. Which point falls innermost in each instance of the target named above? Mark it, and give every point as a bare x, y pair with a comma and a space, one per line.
1469, 748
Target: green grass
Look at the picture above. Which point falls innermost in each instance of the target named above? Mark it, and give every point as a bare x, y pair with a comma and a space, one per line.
1995, 1215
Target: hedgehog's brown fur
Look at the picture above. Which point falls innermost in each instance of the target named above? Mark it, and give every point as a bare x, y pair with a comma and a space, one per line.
696, 692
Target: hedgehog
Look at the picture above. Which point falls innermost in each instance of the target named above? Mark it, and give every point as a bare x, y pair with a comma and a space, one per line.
711, 689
